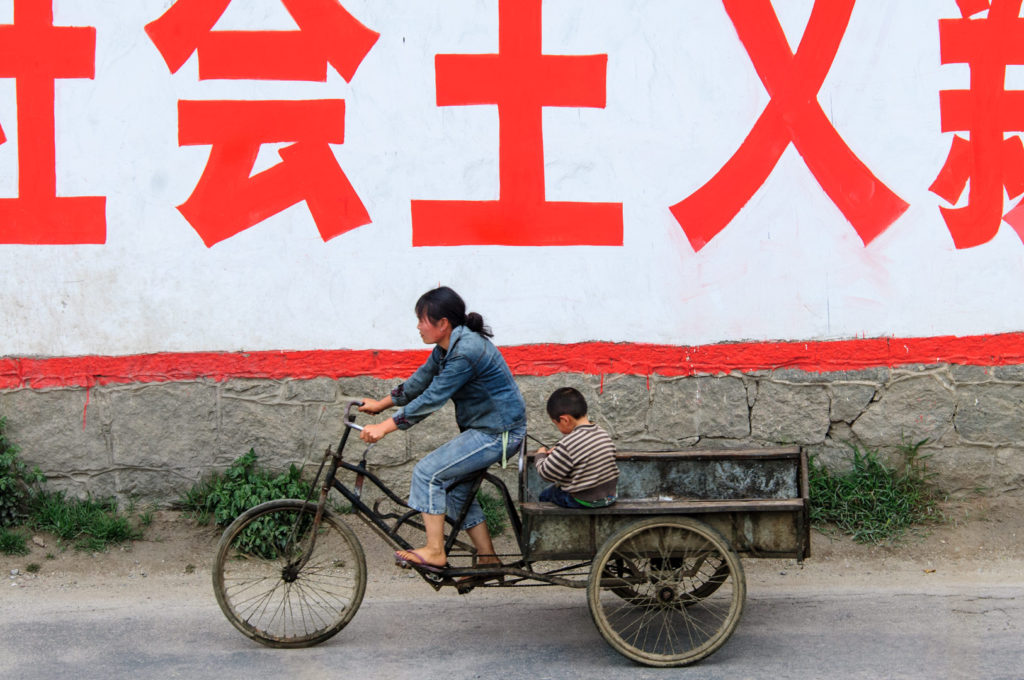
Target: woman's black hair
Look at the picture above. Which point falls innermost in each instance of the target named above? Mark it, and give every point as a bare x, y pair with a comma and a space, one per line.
445, 303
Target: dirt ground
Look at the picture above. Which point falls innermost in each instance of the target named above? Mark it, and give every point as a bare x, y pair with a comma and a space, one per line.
980, 541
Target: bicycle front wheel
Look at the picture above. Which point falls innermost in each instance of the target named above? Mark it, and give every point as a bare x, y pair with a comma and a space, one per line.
271, 592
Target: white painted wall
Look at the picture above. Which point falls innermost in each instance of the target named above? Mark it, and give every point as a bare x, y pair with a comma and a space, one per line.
682, 95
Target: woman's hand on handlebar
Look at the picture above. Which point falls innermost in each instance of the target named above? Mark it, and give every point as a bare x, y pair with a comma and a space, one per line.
375, 406
372, 434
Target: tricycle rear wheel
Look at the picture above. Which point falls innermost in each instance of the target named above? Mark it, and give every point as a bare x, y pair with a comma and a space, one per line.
666, 591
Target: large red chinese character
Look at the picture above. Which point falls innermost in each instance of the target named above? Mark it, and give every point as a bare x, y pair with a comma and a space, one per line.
792, 115
521, 81
986, 111
35, 53
228, 199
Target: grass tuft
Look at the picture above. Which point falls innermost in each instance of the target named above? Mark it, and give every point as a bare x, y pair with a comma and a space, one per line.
873, 502
12, 543
494, 512
87, 524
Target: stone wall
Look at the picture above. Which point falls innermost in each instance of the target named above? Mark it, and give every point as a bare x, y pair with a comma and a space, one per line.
151, 442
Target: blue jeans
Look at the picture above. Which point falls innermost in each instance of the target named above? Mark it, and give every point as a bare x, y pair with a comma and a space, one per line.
431, 490
556, 495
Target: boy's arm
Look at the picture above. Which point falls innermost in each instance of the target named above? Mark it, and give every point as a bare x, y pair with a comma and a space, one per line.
556, 466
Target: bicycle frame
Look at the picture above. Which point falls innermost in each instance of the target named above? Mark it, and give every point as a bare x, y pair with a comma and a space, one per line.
519, 569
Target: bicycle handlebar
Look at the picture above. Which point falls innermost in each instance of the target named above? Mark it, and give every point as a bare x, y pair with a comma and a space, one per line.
350, 419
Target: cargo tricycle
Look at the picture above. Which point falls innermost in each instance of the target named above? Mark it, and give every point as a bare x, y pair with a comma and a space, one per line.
661, 567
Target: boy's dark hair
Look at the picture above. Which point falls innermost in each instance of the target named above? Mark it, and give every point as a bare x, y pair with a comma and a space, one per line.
566, 401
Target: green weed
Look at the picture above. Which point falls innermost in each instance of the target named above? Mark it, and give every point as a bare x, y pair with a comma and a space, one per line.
494, 512
87, 524
12, 543
873, 502
16, 481
243, 485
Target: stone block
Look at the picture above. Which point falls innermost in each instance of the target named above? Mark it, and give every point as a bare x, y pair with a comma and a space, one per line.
363, 387
909, 410
849, 401
992, 413
264, 391
970, 374
1008, 473
841, 432
915, 370
158, 487
84, 483
163, 425
1013, 373
876, 376
60, 430
790, 414
621, 407
279, 433
835, 455
317, 390
963, 470
323, 428
683, 408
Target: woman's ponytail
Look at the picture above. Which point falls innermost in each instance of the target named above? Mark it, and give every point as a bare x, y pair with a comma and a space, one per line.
475, 323
445, 303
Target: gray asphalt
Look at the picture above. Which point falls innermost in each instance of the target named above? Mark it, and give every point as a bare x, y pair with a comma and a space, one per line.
532, 633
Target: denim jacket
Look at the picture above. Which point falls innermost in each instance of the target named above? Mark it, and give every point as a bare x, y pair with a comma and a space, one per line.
474, 375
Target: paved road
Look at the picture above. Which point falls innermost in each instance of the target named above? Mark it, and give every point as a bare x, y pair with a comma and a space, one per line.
535, 633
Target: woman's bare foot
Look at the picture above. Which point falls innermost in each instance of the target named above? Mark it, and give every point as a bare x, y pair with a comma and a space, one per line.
423, 557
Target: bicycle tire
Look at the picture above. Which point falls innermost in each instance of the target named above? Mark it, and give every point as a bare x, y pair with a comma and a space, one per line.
267, 596
680, 598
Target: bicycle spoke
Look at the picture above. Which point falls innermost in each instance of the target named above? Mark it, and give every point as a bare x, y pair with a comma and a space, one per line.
288, 594
676, 601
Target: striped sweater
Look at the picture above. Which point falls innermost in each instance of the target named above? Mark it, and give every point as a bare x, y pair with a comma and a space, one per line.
583, 459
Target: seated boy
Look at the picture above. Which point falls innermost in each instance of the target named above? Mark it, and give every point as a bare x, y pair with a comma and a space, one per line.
582, 464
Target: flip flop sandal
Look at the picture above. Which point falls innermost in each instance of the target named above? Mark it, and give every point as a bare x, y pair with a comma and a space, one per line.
417, 562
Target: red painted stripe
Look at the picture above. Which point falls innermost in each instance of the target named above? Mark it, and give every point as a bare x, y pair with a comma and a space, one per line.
595, 358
